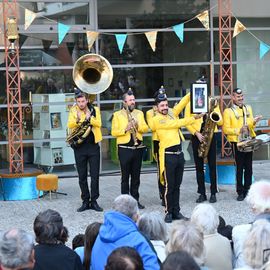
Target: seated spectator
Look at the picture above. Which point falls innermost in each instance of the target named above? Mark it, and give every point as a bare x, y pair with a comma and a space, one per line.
179, 260
185, 236
205, 217
257, 246
259, 200
120, 229
78, 241
84, 252
51, 253
124, 258
16, 250
154, 228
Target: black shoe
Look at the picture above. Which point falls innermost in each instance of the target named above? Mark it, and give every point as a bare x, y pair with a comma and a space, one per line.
140, 206
240, 197
213, 198
96, 207
85, 206
178, 216
201, 198
168, 218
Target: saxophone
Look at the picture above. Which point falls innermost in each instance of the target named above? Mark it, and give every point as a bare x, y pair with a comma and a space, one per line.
209, 128
133, 130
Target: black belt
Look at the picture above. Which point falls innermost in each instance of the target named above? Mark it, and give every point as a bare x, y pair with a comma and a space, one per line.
173, 153
132, 147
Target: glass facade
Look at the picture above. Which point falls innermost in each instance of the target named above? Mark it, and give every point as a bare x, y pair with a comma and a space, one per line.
46, 67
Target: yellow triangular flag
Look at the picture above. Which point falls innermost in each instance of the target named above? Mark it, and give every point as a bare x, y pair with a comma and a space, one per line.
91, 37
238, 28
152, 38
204, 18
29, 17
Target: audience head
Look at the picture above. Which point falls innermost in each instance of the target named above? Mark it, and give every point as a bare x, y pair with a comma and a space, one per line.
126, 205
152, 225
256, 244
259, 197
48, 227
205, 217
64, 235
179, 260
78, 241
124, 258
186, 236
16, 249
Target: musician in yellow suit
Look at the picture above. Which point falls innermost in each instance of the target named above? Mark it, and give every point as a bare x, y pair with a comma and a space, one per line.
128, 125
167, 126
238, 124
196, 130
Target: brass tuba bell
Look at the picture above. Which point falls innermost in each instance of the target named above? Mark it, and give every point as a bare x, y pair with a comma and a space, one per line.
92, 73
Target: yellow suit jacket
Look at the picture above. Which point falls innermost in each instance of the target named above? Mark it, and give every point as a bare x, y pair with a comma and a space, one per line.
94, 121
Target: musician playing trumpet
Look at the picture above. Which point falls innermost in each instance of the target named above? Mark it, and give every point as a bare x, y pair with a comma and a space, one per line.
128, 125
239, 125
87, 151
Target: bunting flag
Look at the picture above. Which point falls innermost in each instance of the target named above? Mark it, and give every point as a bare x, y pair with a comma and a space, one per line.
152, 38
238, 28
29, 17
46, 44
179, 31
91, 38
62, 31
264, 48
121, 39
204, 18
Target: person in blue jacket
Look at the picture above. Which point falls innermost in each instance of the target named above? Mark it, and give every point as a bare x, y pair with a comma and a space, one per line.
119, 229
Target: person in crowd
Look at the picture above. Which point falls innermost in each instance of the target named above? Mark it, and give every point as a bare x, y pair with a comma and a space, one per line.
119, 229
256, 248
205, 217
186, 236
167, 125
258, 199
179, 260
16, 250
51, 253
86, 148
239, 125
124, 258
199, 134
154, 228
78, 241
85, 251
128, 125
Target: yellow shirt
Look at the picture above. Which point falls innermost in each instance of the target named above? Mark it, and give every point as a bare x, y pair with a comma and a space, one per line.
120, 122
149, 118
94, 121
196, 126
233, 122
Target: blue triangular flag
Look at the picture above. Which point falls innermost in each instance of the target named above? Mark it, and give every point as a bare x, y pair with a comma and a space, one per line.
120, 39
179, 31
264, 48
62, 31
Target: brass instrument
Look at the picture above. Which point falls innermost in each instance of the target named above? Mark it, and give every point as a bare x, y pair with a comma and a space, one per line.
209, 128
133, 130
92, 74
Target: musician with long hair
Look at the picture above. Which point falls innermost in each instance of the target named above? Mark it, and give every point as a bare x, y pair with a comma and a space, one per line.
86, 148
128, 125
239, 125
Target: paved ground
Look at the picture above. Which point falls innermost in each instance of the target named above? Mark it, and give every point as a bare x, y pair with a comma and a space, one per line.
22, 213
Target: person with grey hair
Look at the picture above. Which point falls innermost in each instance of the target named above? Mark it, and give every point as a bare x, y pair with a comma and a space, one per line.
186, 236
119, 229
205, 217
16, 250
154, 228
256, 246
258, 199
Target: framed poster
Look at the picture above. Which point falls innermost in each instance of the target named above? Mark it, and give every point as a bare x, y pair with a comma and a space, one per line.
56, 120
57, 155
36, 120
199, 98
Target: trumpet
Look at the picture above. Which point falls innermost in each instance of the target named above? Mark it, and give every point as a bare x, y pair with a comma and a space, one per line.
131, 120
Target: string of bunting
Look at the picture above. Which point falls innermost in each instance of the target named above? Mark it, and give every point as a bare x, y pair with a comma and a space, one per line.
151, 36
